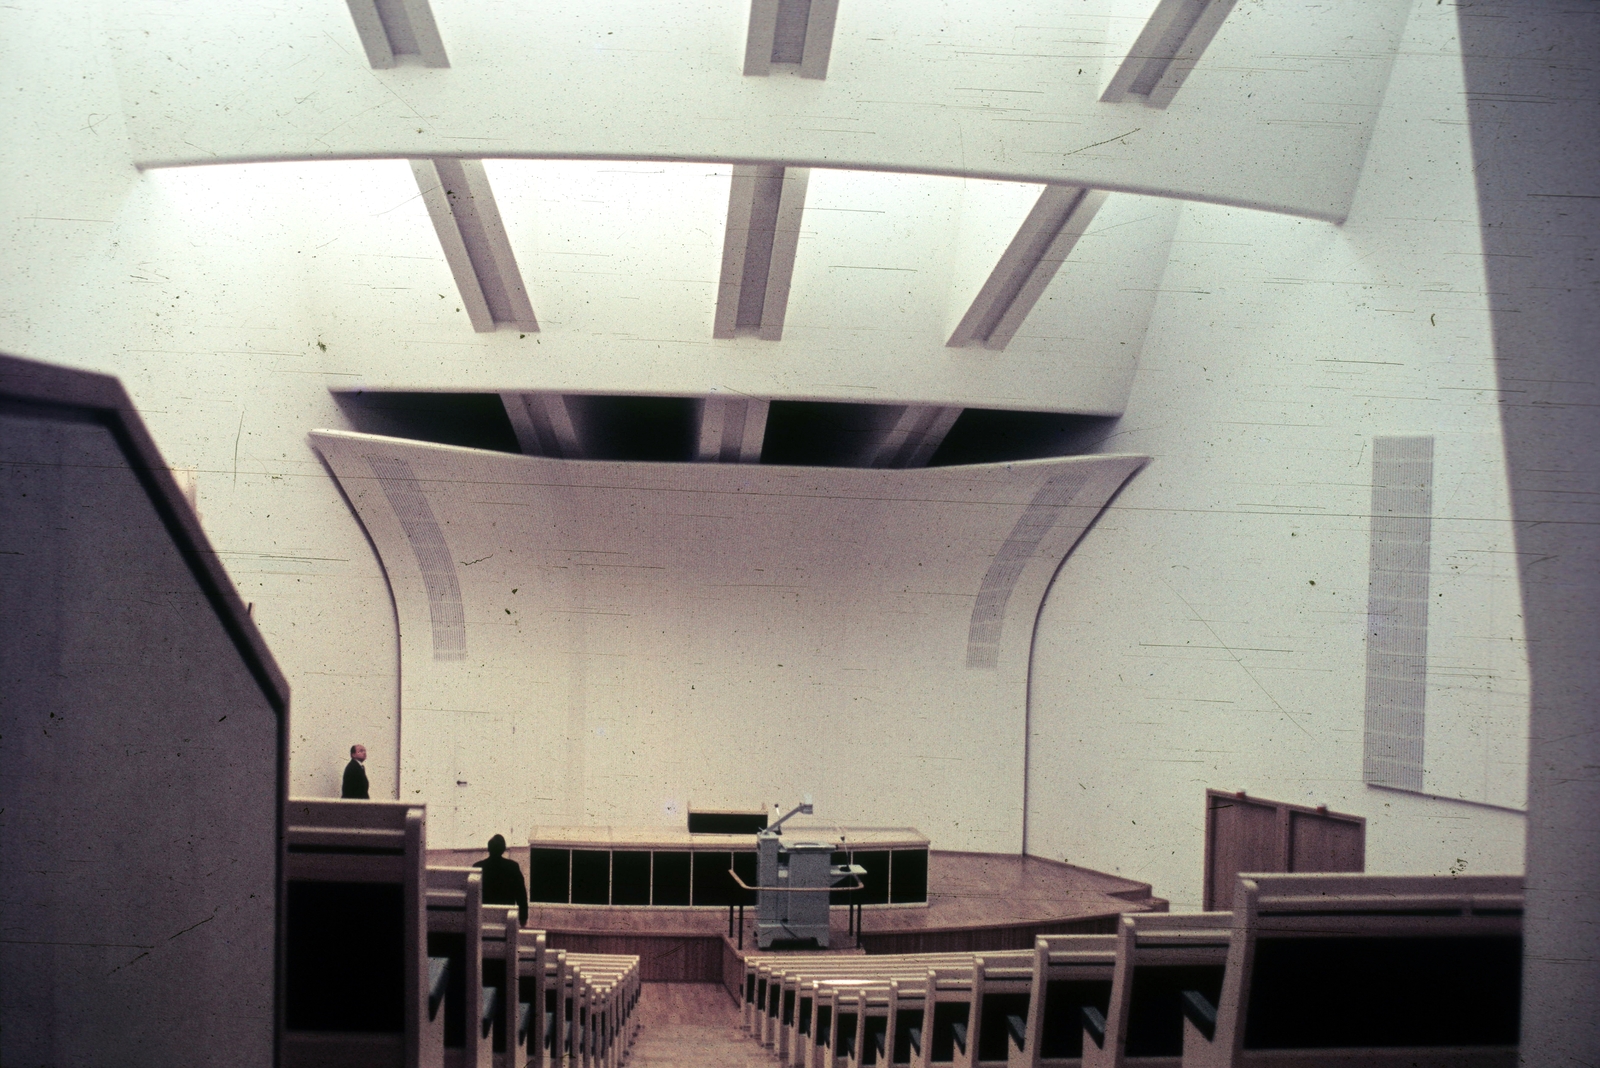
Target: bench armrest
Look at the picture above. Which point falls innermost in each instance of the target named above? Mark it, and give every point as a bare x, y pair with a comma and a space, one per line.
438, 980
1094, 1023
1198, 1010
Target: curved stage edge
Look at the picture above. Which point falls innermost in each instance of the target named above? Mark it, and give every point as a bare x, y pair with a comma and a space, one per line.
976, 902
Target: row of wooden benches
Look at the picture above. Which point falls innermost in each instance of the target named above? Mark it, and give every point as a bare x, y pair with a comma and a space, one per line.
1306, 970
390, 962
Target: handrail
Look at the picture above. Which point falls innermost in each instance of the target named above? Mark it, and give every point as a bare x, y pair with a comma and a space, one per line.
799, 889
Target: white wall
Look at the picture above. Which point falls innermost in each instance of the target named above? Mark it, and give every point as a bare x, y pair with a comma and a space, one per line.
603, 643
202, 306
1209, 632
230, 300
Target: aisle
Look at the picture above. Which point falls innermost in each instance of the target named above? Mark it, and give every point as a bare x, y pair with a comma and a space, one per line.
692, 1025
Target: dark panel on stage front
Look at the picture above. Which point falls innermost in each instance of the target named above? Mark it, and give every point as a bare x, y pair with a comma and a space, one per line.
908, 876
876, 891
630, 877
712, 883
746, 866
727, 822
548, 875
591, 877
671, 884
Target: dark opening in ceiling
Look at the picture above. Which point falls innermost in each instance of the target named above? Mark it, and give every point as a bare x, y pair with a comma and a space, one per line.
988, 436
473, 420
634, 428
821, 433
665, 429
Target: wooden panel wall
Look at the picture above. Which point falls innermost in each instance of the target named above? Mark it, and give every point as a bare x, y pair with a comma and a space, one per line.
1245, 834
662, 958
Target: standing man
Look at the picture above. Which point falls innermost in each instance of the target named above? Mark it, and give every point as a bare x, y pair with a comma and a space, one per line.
502, 879
355, 776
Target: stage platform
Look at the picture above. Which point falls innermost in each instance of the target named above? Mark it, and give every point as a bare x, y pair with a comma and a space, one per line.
976, 901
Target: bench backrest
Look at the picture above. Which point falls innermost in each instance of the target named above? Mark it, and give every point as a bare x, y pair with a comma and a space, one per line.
1373, 961
355, 890
1069, 972
1158, 957
455, 925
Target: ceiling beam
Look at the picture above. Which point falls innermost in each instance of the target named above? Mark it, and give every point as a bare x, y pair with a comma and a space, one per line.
393, 30
732, 430
543, 424
912, 437
475, 244
1059, 217
797, 34
1167, 50
758, 249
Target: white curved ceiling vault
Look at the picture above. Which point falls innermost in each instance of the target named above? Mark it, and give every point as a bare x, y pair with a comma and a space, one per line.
601, 642
1276, 113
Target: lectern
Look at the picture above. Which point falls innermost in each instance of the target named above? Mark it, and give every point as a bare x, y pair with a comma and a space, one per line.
795, 882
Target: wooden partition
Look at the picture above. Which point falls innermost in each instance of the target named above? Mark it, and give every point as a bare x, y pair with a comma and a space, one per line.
143, 751
1248, 834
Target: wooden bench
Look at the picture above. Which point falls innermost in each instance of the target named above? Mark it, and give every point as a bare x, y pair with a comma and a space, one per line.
500, 935
1365, 969
355, 942
786, 1013
1070, 973
531, 1021
967, 1010
601, 992
455, 934
1157, 957
557, 1007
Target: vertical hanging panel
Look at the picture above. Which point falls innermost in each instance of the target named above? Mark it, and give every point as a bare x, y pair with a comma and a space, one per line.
1397, 610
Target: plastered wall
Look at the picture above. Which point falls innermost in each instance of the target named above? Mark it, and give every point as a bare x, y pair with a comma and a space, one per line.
1210, 631
600, 643
231, 301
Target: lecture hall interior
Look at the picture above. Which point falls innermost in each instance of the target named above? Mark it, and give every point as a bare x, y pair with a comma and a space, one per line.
1124, 469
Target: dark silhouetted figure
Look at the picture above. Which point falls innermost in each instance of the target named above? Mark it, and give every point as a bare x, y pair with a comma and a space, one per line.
502, 879
355, 776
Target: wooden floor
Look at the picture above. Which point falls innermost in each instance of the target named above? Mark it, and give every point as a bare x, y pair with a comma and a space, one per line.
692, 1025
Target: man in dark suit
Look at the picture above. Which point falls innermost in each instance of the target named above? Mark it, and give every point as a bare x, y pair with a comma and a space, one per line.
502, 879
355, 775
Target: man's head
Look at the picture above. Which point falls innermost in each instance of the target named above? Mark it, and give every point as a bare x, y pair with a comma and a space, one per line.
497, 845
358, 752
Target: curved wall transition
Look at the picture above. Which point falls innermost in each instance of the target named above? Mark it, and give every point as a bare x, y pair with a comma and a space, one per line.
594, 642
